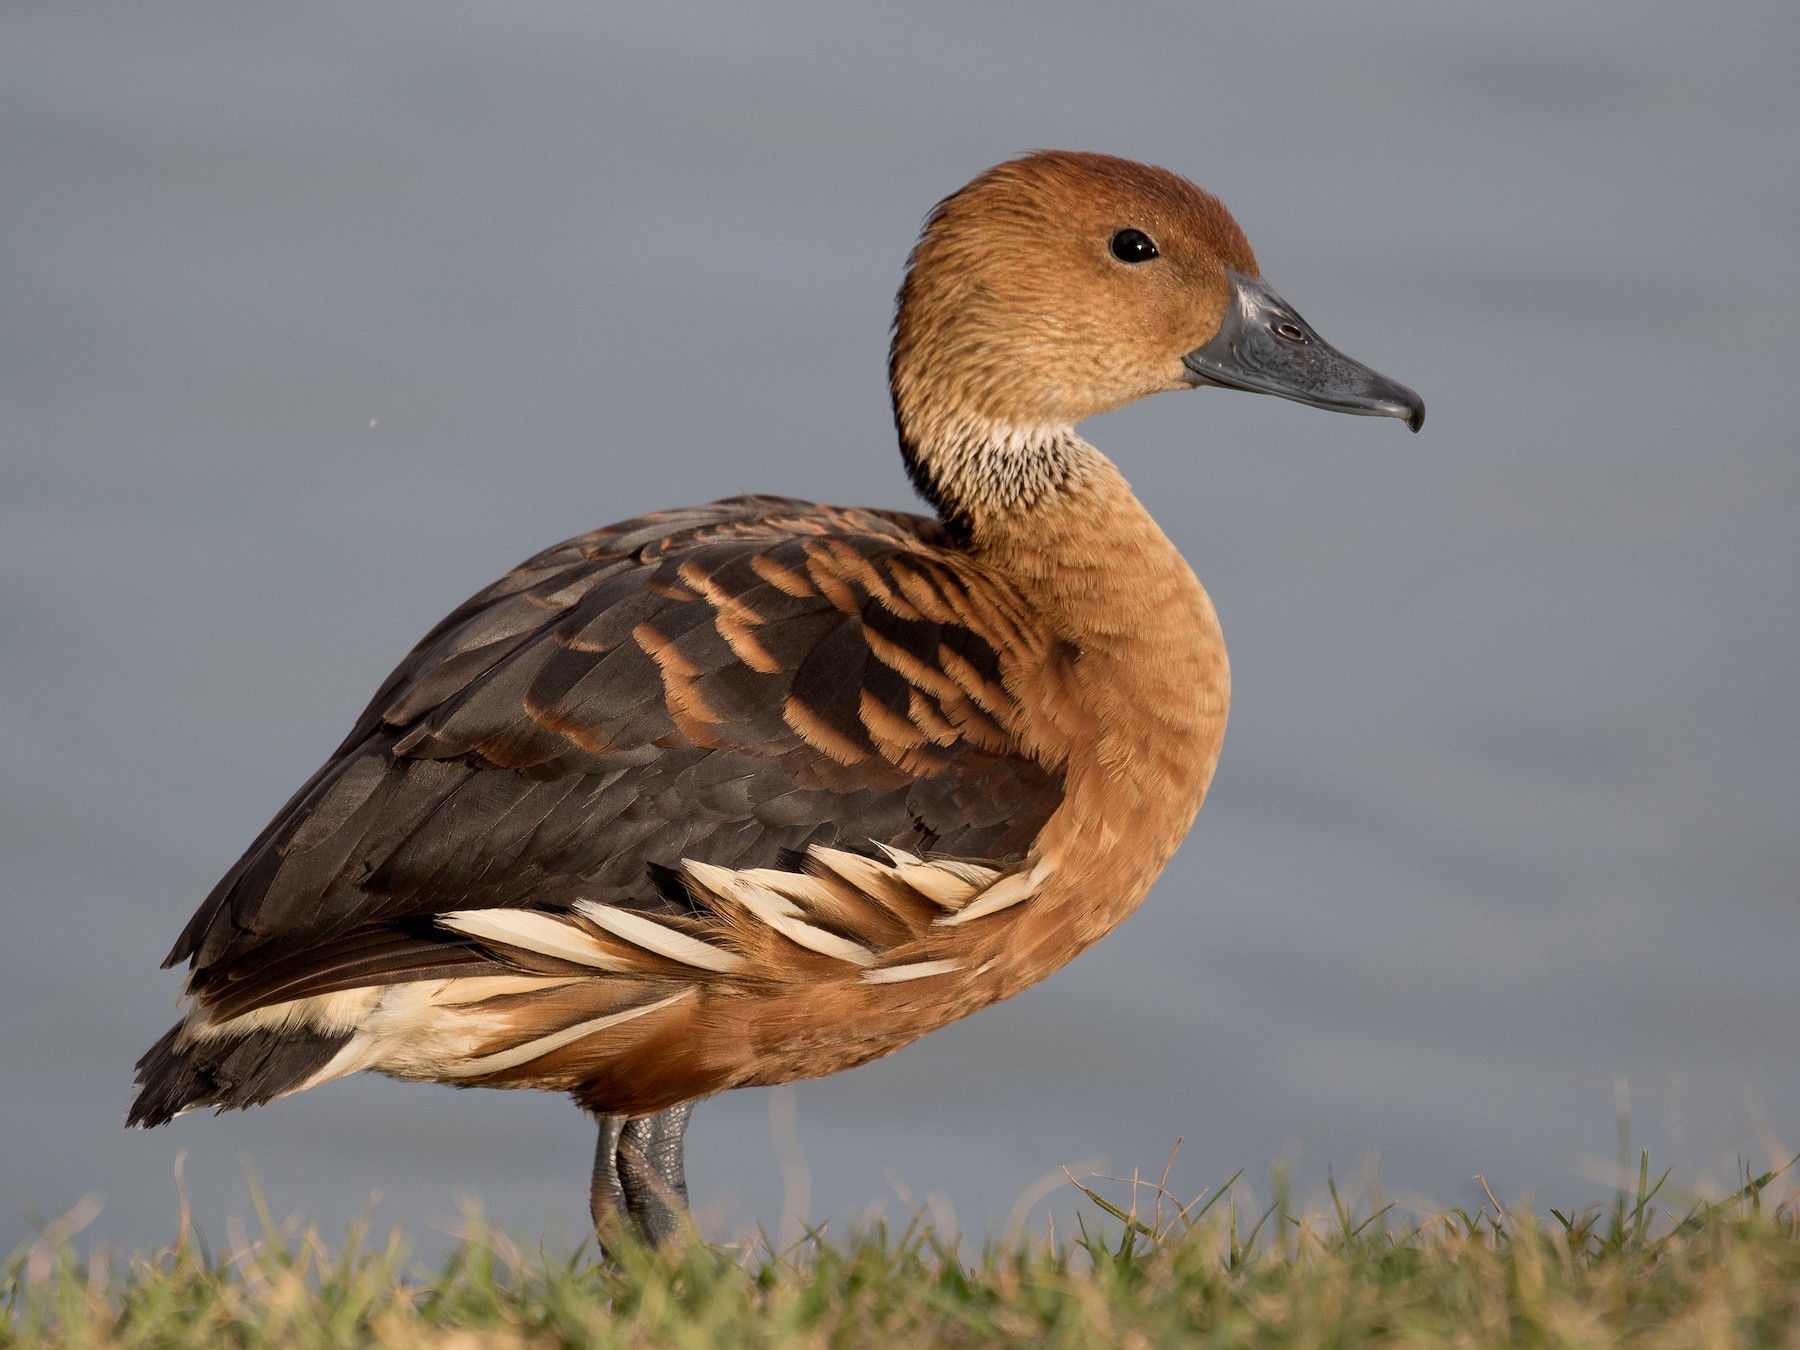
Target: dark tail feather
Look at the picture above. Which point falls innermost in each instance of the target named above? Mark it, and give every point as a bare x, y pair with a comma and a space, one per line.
235, 1071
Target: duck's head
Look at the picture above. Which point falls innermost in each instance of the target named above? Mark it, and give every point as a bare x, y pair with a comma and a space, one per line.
1064, 284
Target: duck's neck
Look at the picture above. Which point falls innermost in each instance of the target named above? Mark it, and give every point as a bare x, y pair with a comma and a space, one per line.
1150, 679
975, 471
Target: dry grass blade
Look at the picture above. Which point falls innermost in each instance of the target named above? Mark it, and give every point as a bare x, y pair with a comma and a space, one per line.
1724, 1271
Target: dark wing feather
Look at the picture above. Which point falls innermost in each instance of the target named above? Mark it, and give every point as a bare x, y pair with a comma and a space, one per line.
727, 683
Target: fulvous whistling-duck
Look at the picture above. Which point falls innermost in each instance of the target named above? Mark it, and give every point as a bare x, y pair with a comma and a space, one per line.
757, 791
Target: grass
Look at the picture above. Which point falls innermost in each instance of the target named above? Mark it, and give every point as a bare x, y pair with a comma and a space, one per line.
1639, 1272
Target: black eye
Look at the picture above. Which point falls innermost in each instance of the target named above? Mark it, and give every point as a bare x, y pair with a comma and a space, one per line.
1133, 246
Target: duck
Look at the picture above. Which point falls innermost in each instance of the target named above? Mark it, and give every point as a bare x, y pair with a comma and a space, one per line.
757, 791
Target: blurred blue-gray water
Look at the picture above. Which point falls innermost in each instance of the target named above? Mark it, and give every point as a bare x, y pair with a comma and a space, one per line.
318, 316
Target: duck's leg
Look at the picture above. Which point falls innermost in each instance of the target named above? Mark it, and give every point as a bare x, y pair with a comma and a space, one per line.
606, 1196
640, 1177
653, 1171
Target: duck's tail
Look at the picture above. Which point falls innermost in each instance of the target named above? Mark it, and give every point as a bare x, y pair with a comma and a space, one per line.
226, 1072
